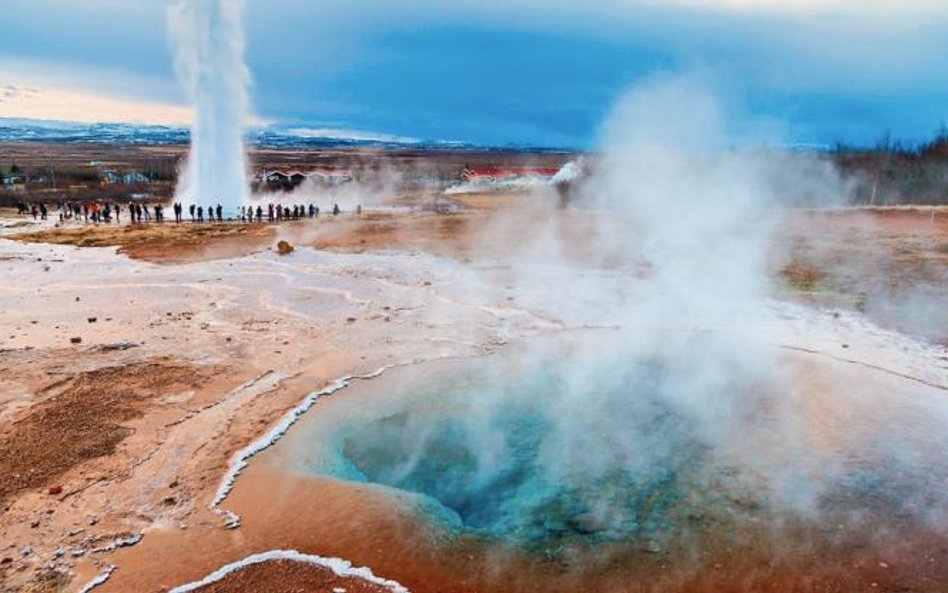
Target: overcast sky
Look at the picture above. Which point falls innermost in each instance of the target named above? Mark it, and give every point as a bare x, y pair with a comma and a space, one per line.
516, 71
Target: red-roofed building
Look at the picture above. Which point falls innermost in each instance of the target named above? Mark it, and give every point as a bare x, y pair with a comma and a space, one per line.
494, 174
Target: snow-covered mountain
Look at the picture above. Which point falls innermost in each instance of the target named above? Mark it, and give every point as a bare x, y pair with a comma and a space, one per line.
274, 136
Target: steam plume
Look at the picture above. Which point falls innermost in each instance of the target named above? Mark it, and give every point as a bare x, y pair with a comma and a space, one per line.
688, 399
209, 50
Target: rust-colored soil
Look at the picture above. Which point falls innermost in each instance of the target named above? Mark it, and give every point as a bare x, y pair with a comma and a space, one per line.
81, 420
288, 576
444, 234
163, 243
891, 264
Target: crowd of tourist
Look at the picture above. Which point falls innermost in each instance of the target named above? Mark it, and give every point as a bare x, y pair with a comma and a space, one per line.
139, 212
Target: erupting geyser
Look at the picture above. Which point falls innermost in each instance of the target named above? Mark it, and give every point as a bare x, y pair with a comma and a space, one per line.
209, 48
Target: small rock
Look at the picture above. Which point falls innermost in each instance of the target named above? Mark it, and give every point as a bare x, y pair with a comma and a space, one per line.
77, 299
93, 520
76, 340
351, 319
60, 552
284, 248
92, 319
26, 551
34, 523
6, 560
54, 490
173, 484
169, 501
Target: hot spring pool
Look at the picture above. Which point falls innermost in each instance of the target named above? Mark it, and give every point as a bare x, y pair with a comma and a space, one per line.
545, 447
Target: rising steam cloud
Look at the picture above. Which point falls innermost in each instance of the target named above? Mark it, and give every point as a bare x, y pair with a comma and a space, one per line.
680, 402
209, 59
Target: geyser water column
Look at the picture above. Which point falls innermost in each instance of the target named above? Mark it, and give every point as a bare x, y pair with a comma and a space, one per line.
209, 60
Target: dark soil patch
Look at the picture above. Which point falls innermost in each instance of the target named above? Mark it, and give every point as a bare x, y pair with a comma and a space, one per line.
83, 420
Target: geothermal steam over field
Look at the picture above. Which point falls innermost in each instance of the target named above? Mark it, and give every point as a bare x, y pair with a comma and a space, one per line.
209, 48
669, 422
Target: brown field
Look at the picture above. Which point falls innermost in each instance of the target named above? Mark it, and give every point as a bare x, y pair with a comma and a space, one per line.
82, 417
165, 243
290, 577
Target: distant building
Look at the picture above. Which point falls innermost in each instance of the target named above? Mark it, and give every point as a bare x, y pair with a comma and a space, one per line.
326, 175
500, 174
14, 182
110, 177
135, 177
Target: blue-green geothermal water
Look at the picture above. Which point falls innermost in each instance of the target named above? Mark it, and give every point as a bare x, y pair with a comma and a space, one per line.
541, 446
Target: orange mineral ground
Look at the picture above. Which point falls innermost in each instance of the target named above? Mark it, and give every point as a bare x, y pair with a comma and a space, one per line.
136, 362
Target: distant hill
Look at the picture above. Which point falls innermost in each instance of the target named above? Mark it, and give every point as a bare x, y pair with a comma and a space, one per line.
29, 130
